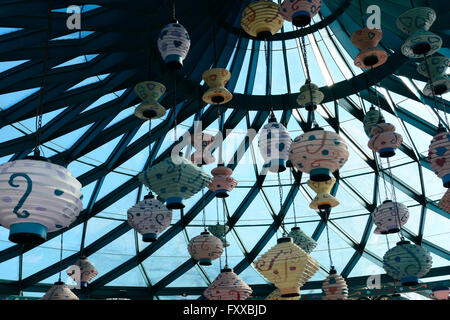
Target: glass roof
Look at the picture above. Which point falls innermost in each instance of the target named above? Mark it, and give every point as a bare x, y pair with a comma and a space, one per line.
89, 126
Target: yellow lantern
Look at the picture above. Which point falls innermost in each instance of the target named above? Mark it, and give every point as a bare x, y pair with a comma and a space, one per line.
276, 295
323, 199
287, 266
261, 19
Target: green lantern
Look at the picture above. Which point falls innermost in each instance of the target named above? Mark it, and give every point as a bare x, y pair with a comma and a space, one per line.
372, 117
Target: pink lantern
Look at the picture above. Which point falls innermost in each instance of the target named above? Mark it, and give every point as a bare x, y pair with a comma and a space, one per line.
319, 153
227, 286
86, 274
390, 217
222, 182
444, 203
300, 12
367, 40
384, 139
205, 248
439, 155
440, 293
203, 143
334, 287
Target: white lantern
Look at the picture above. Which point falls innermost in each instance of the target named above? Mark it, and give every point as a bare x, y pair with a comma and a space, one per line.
37, 197
59, 291
173, 44
86, 273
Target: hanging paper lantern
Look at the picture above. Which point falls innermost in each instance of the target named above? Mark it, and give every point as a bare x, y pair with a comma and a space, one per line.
274, 142
323, 199
150, 92
216, 79
407, 262
37, 197
173, 44
59, 291
366, 40
302, 239
438, 70
310, 96
384, 139
205, 248
276, 295
416, 22
222, 182
444, 203
390, 217
300, 12
86, 273
261, 19
203, 144
319, 153
371, 118
287, 266
334, 287
174, 179
149, 217
219, 231
440, 293
439, 155
227, 286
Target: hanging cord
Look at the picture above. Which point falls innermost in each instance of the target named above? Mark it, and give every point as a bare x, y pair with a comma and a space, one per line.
308, 76
220, 126
280, 190
394, 199
224, 233
328, 239
432, 88
214, 44
203, 209
61, 256
362, 14
386, 193
293, 198
268, 80
174, 18
218, 223
175, 105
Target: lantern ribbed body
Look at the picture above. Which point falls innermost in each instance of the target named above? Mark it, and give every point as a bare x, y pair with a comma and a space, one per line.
276, 295
300, 12
302, 239
389, 217
227, 286
174, 179
87, 271
366, 40
407, 262
261, 19
205, 248
149, 217
150, 92
444, 203
439, 156
371, 118
216, 79
173, 44
274, 142
203, 144
385, 140
287, 266
439, 81
223, 182
219, 231
334, 287
319, 153
37, 197
416, 22
59, 291
323, 199
310, 96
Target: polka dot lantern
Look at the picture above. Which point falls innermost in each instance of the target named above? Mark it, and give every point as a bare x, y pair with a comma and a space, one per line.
223, 183
300, 12
261, 19
205, 247
227, 286
310, 96
37, 197
173, 44
439, 156
302, 239
334, 287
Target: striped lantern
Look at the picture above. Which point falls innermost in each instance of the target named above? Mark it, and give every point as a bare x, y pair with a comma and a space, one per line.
416, 22
205, 247
302, 239
261, 19
219, 231
149, 217
274, 142
86, 273
334, 287
216, 79
444, 203
173, 44
227, 286
59, 291
319, 153
150, 92
439, 82
300, 12
371, 118
439, 156
310, 96
407, 262
323, 199
389, 217
366, 40
287, 266
37, 197
223, 183
174, 179
384, 139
